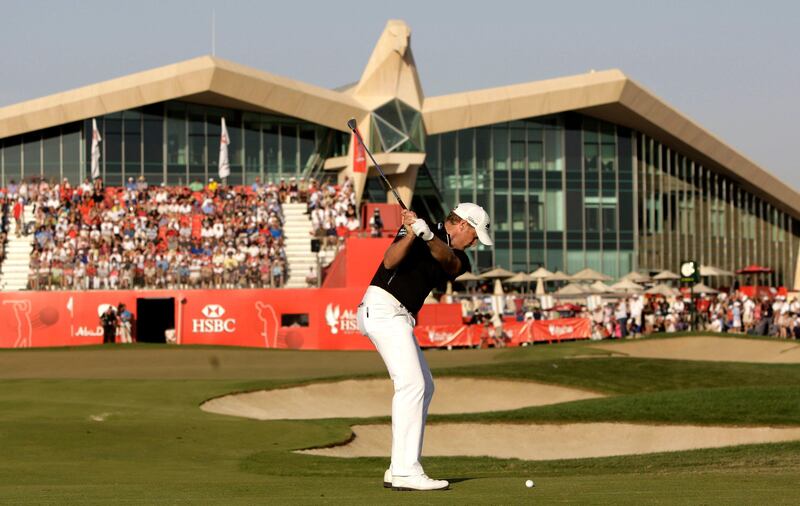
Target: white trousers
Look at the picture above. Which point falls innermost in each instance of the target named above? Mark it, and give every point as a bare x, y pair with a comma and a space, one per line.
390, 327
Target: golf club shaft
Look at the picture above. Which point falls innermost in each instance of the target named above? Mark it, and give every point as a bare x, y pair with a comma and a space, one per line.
352, 125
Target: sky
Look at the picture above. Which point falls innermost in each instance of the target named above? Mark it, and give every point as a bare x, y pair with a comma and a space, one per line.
731, 66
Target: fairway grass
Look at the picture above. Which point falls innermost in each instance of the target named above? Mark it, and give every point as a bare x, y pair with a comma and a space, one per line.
123, 426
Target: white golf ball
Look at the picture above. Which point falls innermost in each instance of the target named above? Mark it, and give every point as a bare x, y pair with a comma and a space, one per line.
529, 483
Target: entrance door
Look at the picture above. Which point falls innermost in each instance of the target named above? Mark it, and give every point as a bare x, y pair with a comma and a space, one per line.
153, 318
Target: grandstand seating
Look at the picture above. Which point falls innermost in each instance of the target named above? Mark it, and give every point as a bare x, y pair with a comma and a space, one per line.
91, 237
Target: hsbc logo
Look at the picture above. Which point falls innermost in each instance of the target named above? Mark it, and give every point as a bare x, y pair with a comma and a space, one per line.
338, 320
213, 323
213, 311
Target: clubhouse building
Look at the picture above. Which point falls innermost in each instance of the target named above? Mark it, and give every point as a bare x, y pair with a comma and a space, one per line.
591, 170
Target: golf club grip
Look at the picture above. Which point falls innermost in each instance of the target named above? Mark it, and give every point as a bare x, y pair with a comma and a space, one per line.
351, 124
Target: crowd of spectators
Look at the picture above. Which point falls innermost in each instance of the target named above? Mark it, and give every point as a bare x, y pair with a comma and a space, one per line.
141, 236
736, 313
4, 222
333, 213
638, 314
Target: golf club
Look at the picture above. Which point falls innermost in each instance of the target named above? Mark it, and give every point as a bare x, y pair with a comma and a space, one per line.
351, 124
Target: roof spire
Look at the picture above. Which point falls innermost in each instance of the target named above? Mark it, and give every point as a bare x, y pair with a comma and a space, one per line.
391, 71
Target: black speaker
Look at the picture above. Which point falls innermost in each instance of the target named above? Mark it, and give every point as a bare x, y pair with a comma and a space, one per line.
315, 245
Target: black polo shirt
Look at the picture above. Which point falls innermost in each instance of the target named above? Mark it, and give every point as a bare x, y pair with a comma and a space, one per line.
418, 273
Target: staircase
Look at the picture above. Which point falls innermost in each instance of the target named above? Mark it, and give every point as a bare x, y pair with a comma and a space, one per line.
297, 230
14, 270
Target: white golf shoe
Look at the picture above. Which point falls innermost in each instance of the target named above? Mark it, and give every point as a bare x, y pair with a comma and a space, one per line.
419, 482
387, 479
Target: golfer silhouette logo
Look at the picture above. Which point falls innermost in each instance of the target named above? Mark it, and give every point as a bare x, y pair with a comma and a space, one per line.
22, 313
266, 314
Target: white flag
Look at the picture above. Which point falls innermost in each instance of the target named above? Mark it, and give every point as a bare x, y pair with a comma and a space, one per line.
224, 164
95, 150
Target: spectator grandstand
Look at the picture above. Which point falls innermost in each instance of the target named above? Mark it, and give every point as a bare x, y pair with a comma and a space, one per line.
333, 213
91, 237
4, 200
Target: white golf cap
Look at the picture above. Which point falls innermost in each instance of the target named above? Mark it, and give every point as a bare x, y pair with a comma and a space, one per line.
478, 218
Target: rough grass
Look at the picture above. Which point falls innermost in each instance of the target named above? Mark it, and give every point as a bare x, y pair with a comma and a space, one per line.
122, 426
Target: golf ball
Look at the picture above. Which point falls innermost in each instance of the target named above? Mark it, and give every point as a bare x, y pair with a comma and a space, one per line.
529, 483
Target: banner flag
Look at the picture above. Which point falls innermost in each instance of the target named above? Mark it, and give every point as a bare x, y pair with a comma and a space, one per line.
224, 163
95, 150
359, 156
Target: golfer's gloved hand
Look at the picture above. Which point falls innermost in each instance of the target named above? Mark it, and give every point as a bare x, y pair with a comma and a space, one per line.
421, 229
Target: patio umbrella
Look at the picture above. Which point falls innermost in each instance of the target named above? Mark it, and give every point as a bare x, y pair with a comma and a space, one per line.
600, 287
559, 276
755, 269
626, 286
539, 286
541, 273
571, 289
573, 308
661, 289
711, 271
468, 276
498, 298
665, 275
701, 288
590, 275
519, 277
497, 272
637, 277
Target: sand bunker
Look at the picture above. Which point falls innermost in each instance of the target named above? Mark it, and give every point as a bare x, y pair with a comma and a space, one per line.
717, 349
366, 398
549, 442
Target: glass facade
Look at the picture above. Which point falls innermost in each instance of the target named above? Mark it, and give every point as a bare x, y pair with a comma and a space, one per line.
687, 211
173, 142
565, 191
396, 126
569, 192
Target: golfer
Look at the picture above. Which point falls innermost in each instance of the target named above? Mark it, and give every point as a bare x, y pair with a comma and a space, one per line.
417, 261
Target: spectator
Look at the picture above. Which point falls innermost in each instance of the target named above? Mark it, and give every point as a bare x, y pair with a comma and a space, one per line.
376, 224
109, 322
125, 324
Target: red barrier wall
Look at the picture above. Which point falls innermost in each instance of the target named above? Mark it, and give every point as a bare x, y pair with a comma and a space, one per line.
220, 317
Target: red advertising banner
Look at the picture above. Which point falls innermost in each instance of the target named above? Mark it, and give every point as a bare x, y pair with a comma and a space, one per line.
285, 318
442, 336
562, 328
307, 319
